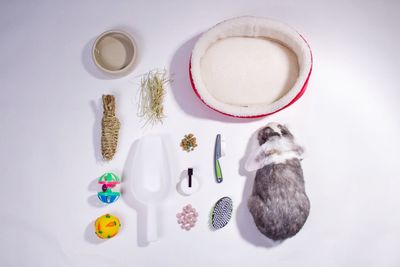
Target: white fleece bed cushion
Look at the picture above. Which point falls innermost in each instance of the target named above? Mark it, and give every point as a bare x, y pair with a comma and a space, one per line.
249, 66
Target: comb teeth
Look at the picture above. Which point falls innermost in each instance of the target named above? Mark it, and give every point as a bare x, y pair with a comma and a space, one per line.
222, 213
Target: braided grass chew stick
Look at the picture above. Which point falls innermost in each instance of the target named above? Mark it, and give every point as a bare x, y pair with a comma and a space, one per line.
110, 128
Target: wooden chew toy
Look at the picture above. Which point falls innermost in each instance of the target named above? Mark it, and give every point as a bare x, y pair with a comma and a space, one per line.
110, 128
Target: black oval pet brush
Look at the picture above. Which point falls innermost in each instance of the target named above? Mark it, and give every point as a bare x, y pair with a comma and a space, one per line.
221, 213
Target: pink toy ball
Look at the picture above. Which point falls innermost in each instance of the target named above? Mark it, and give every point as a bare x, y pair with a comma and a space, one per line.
249, 67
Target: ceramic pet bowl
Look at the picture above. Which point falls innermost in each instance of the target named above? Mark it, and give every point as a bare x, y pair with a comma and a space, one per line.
250, 67
114, 52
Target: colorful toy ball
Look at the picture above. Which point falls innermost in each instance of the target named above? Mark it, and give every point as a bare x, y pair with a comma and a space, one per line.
107, 226
109, 181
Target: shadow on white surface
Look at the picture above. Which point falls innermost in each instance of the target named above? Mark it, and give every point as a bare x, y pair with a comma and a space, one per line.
88, 63
97, 108
247, 228
90, 235
182, 88
93, 200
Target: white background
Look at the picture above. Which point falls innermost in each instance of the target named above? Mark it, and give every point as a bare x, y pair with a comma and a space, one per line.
50, 114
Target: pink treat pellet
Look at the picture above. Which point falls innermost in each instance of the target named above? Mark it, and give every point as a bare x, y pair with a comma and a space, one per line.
187, 218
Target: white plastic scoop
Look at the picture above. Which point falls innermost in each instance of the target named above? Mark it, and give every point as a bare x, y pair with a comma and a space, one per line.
150, 178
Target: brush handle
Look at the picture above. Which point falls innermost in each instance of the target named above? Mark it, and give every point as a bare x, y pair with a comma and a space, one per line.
218, 171
151, 234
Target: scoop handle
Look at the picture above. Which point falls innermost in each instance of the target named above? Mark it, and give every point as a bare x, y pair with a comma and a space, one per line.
152, 233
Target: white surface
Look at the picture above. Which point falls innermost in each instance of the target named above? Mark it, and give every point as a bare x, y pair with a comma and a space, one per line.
248, 71
348, 121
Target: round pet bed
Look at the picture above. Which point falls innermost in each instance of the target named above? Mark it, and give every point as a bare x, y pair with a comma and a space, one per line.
250, 67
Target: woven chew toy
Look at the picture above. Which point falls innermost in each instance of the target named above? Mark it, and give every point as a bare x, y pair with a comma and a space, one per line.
110, 128
221, 213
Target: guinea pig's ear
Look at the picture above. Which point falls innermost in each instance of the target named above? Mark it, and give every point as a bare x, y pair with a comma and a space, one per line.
256, 159
264, 134
285, 131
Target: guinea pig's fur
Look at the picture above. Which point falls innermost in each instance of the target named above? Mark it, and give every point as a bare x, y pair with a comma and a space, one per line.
279, 204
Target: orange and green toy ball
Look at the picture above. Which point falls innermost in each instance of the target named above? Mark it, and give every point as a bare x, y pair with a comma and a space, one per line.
107, 226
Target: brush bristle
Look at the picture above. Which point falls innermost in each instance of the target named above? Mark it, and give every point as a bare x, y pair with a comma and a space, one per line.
221, 213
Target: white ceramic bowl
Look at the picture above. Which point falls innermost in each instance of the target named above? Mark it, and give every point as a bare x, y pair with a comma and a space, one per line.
114, 52
250, 67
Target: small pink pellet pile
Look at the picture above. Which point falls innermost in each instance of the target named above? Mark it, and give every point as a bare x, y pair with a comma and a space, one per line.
188, 217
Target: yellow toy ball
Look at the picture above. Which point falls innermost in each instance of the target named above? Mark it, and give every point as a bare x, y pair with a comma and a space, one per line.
107, 226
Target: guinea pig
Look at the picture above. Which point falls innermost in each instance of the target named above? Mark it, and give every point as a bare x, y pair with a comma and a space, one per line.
278, 203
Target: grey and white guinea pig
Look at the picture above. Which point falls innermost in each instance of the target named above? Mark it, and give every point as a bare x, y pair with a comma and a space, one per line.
278, 203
